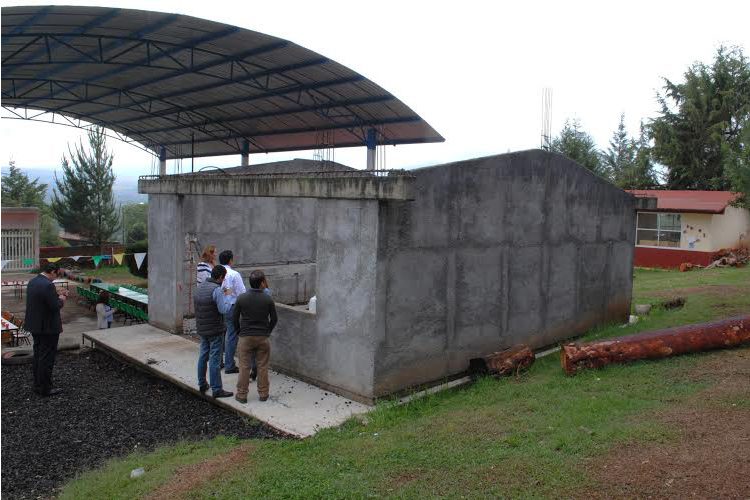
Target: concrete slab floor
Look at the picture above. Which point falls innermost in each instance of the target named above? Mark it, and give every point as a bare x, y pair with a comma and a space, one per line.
293, 407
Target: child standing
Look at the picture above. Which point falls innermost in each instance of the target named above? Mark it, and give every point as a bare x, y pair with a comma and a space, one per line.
104, 313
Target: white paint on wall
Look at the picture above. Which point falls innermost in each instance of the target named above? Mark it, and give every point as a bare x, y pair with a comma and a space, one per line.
730, 229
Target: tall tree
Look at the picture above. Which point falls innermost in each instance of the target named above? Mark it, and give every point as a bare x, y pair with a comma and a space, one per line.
83, 201
738, 169
134, 222
701, 121
644, 171
579, 146
20, 191
619, 158
628, 160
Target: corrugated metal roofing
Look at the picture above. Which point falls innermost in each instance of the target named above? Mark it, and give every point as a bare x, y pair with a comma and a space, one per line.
707, 202
196, 87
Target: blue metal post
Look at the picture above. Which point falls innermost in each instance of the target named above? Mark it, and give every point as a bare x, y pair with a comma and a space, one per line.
245, 153
371, 143
162, 160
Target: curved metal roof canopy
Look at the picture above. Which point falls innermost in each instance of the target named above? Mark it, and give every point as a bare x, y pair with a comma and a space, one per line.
195, 87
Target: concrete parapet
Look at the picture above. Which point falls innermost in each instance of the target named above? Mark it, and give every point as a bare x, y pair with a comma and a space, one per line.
354, 185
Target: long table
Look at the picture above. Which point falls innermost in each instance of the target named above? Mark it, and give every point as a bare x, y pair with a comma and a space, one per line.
139, 299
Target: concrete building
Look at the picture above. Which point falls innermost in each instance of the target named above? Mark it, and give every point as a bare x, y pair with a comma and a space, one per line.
688, 226
20, 238
415, 272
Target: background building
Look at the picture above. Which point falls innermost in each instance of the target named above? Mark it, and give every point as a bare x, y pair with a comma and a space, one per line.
688, 226
20, 238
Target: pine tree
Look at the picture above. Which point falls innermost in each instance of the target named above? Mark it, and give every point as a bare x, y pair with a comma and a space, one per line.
579, 146
701, 121
19, 191
619, 159
629, 160
83, 201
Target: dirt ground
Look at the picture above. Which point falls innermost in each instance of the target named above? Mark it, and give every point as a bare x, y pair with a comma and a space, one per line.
76, 318
711, 456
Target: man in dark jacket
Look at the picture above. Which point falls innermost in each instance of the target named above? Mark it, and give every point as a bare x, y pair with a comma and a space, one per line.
254, 318
43, 305
211, 304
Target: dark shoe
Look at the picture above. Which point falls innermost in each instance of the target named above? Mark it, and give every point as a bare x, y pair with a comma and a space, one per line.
232, 370
253, 375
52, 392
263, 398
203, 388
223, 394
240, 400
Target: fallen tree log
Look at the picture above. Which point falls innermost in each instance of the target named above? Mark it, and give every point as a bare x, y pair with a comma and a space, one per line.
719, 334
507, 362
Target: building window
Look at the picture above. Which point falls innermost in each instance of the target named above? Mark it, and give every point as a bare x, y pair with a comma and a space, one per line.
658, 230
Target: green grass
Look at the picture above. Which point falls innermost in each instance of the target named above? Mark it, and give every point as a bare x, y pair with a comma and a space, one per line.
517, 437
114, 481
116, 274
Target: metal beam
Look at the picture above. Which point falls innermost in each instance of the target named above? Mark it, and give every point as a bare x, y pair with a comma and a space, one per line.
269, 114
246, 78
97, 21
131, 142
155, 26
30, 21
349, 125
277, 92
202, 39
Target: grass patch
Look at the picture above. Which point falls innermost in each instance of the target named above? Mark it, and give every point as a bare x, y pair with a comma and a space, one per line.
530, 436
113, 480
116, 274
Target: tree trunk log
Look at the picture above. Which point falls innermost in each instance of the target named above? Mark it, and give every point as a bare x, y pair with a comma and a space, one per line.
503, 363
719, 334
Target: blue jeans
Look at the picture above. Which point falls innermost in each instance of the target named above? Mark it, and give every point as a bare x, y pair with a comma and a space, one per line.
231, 343
210, 354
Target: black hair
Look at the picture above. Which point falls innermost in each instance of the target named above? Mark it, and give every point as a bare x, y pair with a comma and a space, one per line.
50, 268
225, 257
256, 278
103, 297
218, 272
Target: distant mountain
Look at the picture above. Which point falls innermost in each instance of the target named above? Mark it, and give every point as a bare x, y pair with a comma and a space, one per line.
125, 187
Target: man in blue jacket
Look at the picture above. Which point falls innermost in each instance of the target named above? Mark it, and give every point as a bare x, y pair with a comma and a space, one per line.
43, 305
211, 303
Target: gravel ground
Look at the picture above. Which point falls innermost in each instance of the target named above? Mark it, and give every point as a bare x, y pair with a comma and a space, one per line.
107, 409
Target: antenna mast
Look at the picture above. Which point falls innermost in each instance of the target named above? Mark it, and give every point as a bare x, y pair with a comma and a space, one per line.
546, 118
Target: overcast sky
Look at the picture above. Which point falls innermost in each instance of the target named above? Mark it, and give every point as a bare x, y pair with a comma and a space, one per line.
473, 70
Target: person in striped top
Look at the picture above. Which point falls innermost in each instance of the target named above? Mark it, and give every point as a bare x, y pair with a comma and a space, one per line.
207, 263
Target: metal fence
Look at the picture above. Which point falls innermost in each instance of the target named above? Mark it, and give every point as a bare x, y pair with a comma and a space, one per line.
18, 249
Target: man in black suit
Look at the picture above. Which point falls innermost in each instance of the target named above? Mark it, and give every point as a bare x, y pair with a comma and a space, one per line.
43, 305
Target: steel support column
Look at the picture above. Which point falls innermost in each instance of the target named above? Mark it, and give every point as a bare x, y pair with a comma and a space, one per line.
245, 153
162, 160
371, 143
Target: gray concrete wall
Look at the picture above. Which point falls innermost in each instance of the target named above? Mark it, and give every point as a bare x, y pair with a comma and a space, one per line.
257, 230
525, 247
336, 347
290, 283
166, 253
